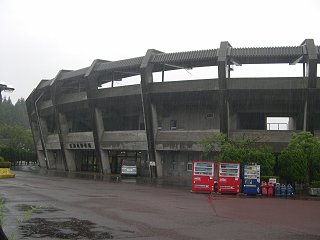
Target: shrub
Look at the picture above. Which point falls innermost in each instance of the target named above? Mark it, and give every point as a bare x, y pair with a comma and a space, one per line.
300, 161
5, 164
315, 184
242, 151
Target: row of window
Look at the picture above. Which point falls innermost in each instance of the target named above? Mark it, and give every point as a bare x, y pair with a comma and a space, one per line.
80, 146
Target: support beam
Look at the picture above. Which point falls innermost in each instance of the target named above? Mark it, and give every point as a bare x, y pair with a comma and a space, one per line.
30, 104
223, 74
42, 140
296, 60
311, 74
59, 128
70, 164
149, 113
309, 106
96, 118
312, 58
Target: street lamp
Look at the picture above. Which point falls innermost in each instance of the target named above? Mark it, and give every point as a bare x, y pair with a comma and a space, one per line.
6, 88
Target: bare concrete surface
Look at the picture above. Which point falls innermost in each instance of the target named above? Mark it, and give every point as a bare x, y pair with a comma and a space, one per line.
70, 208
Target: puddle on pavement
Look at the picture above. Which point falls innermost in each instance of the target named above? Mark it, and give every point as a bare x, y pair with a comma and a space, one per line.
62, 228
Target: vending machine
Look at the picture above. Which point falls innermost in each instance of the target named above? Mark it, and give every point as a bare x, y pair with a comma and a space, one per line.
202, 176
251, 179
229, 178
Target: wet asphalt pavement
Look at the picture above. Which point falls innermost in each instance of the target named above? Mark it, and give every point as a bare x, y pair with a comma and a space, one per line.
72, 208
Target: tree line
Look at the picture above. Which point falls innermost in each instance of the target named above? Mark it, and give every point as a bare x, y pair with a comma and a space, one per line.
16, 142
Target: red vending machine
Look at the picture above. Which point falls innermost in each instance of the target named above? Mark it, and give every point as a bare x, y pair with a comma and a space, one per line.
229, 178
202, 176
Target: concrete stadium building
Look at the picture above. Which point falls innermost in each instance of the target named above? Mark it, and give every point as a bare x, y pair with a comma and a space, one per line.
80, 125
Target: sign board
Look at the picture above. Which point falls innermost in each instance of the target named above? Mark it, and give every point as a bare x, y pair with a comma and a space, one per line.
152, 163
273, 180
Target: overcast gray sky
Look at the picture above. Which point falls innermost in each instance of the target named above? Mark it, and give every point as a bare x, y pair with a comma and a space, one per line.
40, 37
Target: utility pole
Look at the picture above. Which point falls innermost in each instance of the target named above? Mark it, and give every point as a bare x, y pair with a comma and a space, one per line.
5, 88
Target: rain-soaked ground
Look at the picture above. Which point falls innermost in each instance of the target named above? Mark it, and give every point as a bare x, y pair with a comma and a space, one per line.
182, 183
38, 227
68, 228
33, 223
53, 206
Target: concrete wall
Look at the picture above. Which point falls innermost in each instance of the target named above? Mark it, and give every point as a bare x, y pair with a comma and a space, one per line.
175, 165
196, 114
79, 137
53, 142
267, 83
55, 159
181, 140
190, 118
72, 97
45, 104
276, 139
124, 140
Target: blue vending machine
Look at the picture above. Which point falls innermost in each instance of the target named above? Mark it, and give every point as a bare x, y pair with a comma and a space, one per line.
251, 179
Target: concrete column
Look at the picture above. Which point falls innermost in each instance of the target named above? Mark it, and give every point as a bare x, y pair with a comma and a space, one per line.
41, 158
44, 128
68, 155
223, 74
96, 119
99, 129
34, 130
305, 115
34, 127
61, 123
311, 73
36, 137
150, 113
45, 133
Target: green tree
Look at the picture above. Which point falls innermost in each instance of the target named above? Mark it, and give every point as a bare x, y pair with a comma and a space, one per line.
300, 161
20, 114
15, 115
16, 144
242, 151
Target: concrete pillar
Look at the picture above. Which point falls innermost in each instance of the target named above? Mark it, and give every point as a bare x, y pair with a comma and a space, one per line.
312, 59
61, 123
99, 129
51, 159
223, 74
96, 119
150, 113
44, 128
45, 133
41, 158
67, 155
311, 73
36, 139
305, 115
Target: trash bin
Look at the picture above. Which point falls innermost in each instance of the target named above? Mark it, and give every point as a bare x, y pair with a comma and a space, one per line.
264, 189
289, 190
277, 190
283, 190
270, 189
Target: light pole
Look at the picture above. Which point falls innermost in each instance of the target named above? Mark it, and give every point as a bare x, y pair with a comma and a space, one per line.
6, 88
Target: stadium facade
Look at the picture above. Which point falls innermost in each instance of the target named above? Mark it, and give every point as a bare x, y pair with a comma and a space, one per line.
78, 125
